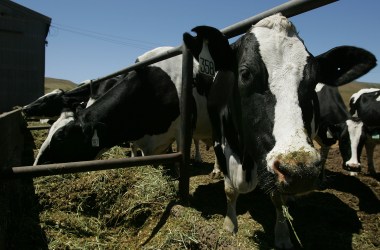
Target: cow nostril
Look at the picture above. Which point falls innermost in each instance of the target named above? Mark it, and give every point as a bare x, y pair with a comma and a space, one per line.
279, 171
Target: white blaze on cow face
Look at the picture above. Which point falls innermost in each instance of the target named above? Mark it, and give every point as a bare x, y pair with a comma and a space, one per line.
285, 57
65, 118
54, 92
354, 131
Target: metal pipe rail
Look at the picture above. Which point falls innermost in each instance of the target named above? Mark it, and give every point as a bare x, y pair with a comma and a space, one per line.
84, 166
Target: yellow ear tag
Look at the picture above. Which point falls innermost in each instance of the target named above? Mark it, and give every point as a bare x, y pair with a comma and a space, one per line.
206, 63
95, 139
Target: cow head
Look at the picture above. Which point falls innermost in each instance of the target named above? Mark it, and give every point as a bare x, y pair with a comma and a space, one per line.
74, 142
262, 100
49, 105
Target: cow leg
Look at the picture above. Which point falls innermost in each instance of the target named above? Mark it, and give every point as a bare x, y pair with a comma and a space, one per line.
370, 148
230, 221
216, 172
281, 230
324, 153
197, 156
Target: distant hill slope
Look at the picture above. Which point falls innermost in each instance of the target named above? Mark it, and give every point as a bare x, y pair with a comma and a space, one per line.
345, 90
53, 83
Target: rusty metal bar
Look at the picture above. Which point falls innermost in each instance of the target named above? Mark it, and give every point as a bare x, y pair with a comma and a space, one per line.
84, 166
185, 141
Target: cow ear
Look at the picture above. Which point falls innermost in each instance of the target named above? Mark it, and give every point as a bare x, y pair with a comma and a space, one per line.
218, 46
343, 64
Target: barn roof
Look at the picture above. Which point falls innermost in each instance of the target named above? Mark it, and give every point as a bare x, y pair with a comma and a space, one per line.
23, 11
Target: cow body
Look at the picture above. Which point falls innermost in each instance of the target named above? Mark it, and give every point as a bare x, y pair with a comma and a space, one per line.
142, 108
264, 110
156, 144
365, 106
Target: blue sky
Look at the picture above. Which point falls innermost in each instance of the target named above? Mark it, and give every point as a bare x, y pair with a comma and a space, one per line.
91, 38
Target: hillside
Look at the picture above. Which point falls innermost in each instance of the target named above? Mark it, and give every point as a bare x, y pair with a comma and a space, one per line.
53, 83
347, 90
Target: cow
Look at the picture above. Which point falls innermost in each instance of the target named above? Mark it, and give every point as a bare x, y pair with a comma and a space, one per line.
111, 120
142, 108
264, 109
365, 106
336, 124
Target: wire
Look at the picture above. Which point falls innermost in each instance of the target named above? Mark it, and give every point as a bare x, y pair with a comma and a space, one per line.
120, 40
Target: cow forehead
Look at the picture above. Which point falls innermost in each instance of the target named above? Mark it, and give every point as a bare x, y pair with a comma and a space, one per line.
357, 95
54, 92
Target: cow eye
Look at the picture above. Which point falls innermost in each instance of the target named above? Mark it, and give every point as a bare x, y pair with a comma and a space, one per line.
245, 75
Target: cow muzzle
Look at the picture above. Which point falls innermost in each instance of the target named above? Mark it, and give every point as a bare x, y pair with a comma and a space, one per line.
297, 172
352, 166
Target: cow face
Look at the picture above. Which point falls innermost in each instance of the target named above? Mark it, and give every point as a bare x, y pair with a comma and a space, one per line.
351, 142
49, 105
262, 102
73, 142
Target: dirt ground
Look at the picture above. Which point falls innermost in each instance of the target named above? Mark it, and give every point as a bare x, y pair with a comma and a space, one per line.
344, 214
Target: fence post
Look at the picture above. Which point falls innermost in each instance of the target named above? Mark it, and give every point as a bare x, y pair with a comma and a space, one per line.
186, 114
19, 219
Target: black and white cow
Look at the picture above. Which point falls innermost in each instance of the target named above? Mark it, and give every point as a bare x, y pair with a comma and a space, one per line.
111, 120
336, 124
143, 108
264, 110
365, 106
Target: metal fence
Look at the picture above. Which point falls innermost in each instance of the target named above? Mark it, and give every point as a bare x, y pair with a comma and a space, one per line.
288, 9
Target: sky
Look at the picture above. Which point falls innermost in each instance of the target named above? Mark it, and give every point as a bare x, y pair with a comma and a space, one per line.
89, 39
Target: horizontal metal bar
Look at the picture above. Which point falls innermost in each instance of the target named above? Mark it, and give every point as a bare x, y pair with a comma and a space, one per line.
288, 9
164, 55
39, 127
84, 166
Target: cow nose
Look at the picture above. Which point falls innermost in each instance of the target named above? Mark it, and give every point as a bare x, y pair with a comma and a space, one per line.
352, 166
296, 176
